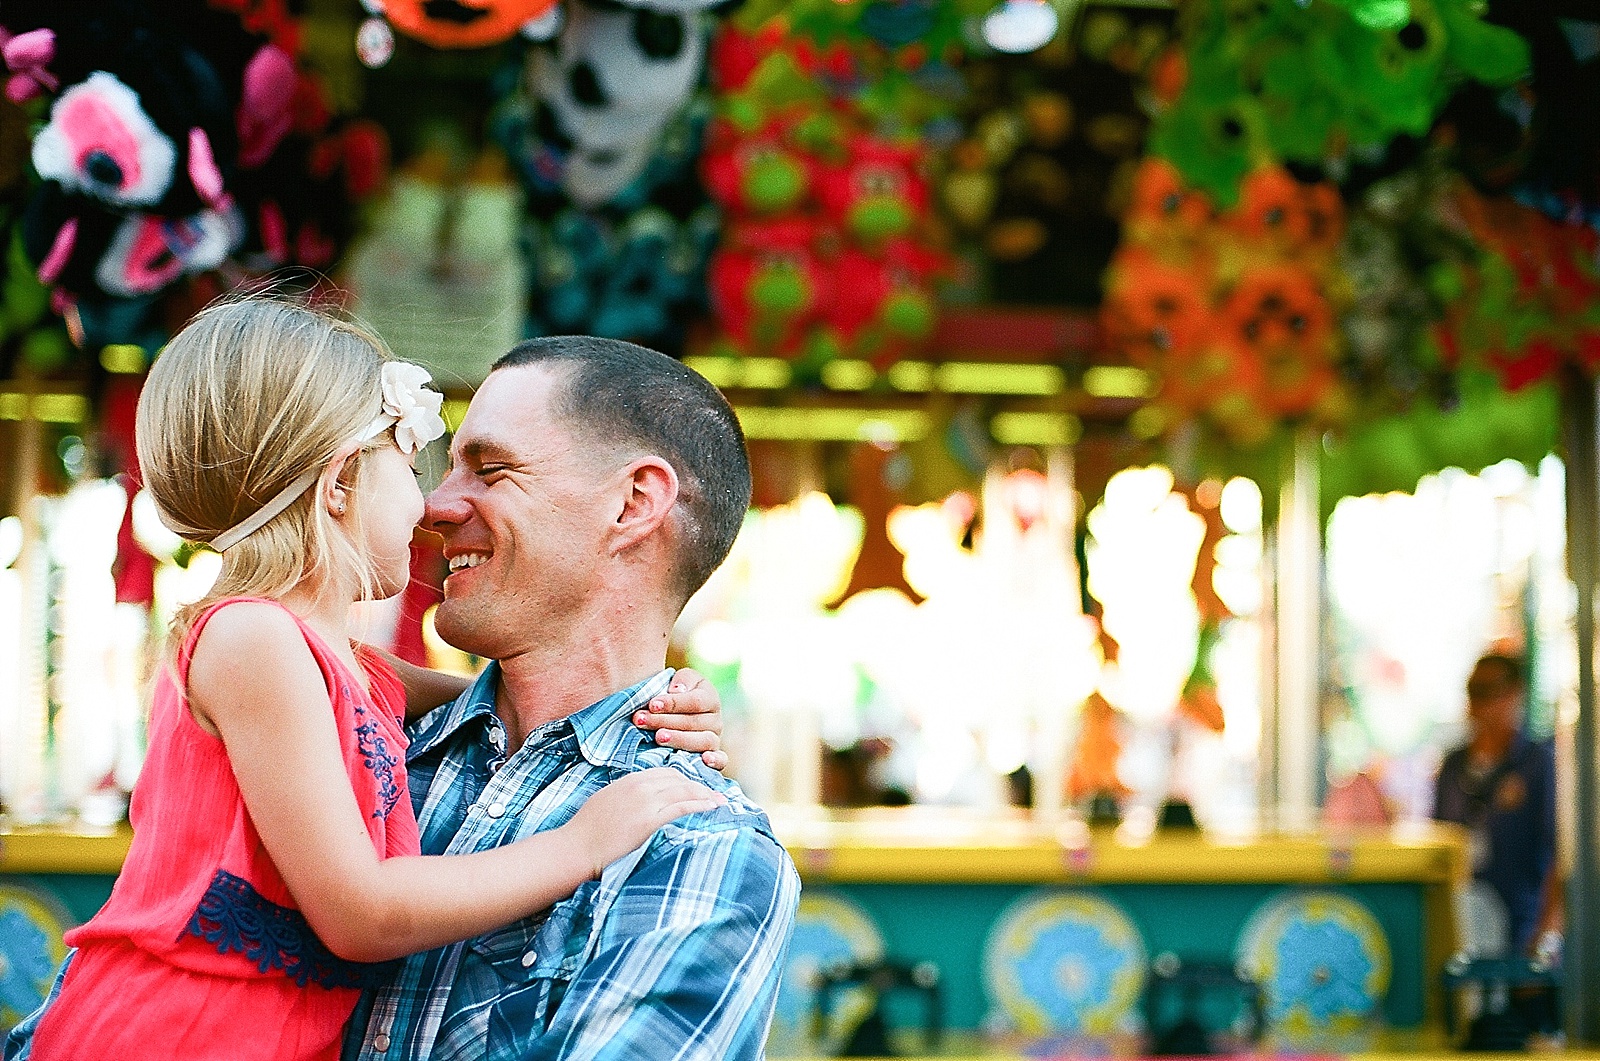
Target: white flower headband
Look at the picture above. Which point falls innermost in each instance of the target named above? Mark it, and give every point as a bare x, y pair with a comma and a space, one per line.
408, 406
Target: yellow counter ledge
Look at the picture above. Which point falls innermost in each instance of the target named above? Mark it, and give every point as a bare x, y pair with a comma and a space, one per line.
73, 848
916, 847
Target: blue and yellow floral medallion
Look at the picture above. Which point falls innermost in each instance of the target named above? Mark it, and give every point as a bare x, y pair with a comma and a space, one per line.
1064, 964
31, 950
1323, 964
829, 929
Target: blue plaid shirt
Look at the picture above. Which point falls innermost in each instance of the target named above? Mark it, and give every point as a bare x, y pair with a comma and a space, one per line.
674, 953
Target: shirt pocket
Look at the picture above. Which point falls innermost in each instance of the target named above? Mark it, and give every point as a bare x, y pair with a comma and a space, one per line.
535, 961
547, 946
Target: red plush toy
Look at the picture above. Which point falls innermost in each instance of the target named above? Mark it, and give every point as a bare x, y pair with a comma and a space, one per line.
767, 285
303, 205
756, 173
877, 193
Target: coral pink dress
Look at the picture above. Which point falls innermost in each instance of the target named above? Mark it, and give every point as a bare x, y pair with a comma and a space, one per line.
200, 952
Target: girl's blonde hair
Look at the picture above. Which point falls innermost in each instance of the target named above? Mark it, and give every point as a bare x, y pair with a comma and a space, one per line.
253, 392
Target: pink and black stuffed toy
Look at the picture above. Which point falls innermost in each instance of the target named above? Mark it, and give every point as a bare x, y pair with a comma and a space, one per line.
155, 108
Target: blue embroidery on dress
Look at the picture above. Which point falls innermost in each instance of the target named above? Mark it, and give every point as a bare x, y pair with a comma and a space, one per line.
379, 759
235, 917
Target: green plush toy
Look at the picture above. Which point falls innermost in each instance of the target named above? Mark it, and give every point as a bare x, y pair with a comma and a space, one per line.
1282, 80
1392, 79
1213, 134
23, 299
1491, 54
1378, 14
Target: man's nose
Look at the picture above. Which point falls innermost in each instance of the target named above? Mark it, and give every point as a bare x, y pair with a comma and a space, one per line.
446, 507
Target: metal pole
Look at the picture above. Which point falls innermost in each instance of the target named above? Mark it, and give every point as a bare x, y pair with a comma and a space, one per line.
1583, 566
1299, 626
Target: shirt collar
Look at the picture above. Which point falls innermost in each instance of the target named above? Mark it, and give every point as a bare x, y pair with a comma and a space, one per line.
605, 730
437, 725
606, 733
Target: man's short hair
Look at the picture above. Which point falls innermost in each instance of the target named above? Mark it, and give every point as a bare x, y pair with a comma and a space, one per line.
1511, 667
618, 393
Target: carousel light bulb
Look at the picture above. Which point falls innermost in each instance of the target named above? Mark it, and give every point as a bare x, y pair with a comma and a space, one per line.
1241, 506
1020, 26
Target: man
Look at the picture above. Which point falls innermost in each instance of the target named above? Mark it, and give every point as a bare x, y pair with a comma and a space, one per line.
595, 485
1502, 787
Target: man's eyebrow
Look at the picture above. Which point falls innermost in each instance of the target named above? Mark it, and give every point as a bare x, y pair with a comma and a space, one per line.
482, 450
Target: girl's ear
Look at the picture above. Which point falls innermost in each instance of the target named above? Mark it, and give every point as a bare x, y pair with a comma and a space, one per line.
332, 493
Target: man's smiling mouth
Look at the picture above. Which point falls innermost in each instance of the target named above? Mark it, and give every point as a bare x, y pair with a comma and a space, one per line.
463, 561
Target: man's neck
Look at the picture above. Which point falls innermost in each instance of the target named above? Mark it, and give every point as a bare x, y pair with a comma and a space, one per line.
1492, 748
563, 676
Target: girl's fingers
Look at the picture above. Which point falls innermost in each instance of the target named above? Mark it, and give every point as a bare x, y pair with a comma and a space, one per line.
687, 678
717, 760
688, 742
668, 720
693, 806
698, 699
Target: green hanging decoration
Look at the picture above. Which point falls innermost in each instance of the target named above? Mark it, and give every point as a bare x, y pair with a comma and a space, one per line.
1275, 81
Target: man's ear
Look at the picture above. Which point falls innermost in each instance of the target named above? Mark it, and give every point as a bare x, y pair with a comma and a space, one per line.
649, 492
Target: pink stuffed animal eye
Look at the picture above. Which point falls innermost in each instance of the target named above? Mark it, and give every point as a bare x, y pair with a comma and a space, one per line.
99, 141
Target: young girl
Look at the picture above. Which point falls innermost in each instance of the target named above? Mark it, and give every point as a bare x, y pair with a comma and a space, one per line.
275, 851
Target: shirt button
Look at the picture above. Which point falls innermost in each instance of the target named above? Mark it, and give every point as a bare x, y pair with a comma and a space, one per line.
380, 1042
495, 810
529, 958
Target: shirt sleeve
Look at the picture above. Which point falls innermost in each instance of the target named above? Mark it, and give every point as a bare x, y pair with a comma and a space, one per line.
688, 956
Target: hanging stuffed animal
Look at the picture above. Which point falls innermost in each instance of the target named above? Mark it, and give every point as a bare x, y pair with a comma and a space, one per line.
1035, 184
157, 106
106, 267
877, 192
143, 118
1234, 313
451, 24
1306, 83
768, 286
756, 173
613, 79
302, 206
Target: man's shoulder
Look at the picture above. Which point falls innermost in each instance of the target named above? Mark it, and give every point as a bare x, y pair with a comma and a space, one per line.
740, 815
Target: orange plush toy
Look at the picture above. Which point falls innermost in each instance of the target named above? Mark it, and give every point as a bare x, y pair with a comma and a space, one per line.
1234, 313
450, 24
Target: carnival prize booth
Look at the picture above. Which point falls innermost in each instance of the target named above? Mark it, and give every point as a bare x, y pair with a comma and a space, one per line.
1154, 412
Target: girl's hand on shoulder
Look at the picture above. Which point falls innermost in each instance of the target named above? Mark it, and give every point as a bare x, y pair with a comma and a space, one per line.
688, 716
629, 810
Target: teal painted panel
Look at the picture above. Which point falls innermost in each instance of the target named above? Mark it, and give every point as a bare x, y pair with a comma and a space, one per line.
81, 895
949, 923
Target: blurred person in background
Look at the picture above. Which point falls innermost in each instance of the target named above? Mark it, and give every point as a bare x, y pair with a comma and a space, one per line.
1501, 786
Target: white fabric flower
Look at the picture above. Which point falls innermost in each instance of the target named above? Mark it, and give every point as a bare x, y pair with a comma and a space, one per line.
411, 406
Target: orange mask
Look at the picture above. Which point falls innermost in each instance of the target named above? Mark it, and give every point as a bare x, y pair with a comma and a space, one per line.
463, 23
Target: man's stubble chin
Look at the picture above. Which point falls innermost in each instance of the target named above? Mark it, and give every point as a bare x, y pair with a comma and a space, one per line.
467, 624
